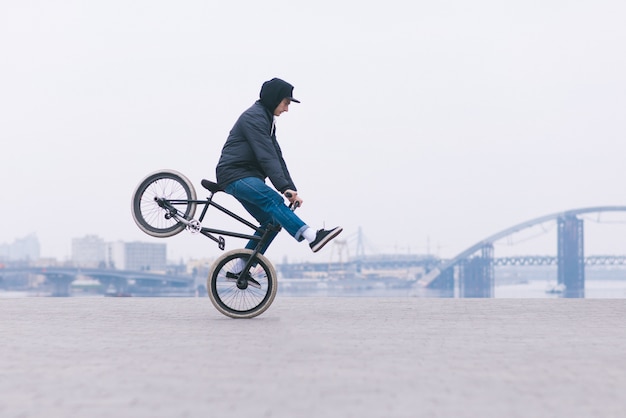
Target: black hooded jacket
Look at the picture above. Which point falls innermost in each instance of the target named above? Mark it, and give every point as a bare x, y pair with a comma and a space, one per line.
251, 149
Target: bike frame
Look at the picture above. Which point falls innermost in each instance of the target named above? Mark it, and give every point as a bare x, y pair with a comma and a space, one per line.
170, 205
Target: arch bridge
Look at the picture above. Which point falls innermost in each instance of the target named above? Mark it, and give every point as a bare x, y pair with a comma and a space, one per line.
474, 266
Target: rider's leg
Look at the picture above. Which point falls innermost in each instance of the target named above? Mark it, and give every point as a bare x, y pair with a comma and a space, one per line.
266, 206
265, 220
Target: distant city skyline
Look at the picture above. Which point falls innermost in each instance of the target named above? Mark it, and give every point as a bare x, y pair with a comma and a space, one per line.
94, 252
26, 247
539, 240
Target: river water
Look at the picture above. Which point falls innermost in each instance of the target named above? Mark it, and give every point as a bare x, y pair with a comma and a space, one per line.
594, 289
536, 287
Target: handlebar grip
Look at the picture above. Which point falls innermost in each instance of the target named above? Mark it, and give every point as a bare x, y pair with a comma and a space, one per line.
294, 205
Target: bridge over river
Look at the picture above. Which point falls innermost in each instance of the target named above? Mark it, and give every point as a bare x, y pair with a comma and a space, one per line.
469, 274
473, 268
118, 282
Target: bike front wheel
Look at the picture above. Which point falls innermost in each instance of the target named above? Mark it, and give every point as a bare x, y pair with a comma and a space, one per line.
176, 189
233, 299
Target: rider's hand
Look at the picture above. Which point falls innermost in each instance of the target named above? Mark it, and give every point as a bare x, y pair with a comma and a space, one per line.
293, 197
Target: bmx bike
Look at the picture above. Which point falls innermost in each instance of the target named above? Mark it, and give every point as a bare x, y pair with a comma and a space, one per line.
164, 204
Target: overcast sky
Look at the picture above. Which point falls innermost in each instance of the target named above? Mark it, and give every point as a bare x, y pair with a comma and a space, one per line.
429, 125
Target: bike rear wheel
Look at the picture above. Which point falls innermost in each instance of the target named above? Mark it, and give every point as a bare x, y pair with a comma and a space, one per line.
229, 298
166, 184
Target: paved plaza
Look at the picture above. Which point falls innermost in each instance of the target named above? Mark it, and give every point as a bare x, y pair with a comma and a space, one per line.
313, 357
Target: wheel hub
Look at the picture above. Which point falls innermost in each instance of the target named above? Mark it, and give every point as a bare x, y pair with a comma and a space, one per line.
242, 284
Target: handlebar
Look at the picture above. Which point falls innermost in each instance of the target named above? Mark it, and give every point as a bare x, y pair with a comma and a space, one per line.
294, 205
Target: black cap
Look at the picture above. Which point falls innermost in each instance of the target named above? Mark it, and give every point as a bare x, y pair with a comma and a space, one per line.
274, 91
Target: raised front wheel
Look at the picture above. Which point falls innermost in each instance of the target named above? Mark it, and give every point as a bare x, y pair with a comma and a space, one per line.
167, 186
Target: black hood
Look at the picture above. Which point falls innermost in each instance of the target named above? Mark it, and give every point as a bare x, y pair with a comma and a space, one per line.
274, 91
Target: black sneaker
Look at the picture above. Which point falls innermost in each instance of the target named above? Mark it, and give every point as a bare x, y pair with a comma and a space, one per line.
323, 236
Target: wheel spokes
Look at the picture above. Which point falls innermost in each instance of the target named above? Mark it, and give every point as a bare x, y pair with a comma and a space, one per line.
164, 188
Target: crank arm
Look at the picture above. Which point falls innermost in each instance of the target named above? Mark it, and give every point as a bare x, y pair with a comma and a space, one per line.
232, 277
192, 225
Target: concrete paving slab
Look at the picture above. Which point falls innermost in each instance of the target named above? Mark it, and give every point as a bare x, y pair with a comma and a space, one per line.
313, 357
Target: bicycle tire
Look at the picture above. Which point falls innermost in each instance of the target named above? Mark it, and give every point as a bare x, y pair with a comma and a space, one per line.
148, 216
241, 303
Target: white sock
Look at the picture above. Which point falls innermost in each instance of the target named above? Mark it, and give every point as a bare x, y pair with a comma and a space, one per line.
309, 234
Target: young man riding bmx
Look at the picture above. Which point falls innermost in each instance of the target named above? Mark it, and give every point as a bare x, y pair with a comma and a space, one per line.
251, 154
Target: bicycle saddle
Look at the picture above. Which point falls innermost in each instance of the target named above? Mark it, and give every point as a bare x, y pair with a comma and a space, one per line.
210, 186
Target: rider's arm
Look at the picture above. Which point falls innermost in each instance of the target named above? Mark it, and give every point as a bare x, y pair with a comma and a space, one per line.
268, 154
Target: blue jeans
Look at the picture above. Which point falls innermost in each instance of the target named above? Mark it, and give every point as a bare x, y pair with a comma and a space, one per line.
267, 207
